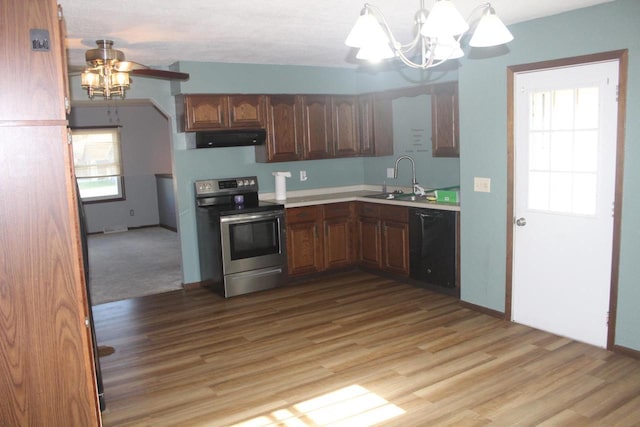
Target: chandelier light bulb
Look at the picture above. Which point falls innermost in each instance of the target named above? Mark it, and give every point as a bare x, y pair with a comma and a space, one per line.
444, 20
490, 31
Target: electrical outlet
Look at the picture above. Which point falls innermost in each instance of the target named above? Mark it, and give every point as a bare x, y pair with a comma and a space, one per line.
303, 176
132, 212
482, 185
389, 172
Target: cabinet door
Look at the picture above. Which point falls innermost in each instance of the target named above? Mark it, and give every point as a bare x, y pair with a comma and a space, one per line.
204, 112
304, 248
395, 247
338, 229
284, 130
246, 111
375, 125
337, 242
345, 126
318, 134
370, 249
444, 120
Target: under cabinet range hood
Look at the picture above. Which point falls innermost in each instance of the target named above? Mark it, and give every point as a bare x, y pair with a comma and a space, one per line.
230, 138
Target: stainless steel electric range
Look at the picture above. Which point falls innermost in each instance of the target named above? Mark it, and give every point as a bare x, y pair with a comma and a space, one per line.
241, 240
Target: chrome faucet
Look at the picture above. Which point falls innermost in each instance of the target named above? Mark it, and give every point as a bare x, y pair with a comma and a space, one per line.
414, 184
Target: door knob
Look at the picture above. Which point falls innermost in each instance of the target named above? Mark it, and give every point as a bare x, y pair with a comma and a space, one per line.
521, 222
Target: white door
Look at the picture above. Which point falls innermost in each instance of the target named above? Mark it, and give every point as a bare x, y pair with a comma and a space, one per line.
565, 151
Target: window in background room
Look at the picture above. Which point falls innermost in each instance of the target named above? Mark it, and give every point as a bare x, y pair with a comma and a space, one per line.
98, 164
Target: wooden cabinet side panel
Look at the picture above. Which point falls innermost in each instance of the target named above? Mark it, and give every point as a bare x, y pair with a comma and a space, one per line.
46, 362
32, 84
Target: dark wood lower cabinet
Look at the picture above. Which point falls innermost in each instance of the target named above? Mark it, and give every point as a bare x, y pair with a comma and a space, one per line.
395, 247
384, 238
370, 243
304, 240
338, 230
340, 235
319, 238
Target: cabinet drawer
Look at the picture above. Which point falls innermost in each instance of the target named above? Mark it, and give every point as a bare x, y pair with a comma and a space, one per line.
395, 213
337, 210
370, 210
304, 214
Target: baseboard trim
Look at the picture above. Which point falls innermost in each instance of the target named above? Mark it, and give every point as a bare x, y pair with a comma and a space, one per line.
626, 351
193, 285
481, 309
168, 227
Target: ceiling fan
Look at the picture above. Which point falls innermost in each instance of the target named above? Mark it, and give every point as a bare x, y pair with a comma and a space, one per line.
107, 72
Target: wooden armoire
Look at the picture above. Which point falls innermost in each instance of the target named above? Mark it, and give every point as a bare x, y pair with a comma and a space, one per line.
47, 375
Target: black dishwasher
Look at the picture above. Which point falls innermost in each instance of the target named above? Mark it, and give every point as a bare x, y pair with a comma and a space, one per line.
432, 245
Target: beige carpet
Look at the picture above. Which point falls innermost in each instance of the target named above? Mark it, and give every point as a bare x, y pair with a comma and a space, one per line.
133, 263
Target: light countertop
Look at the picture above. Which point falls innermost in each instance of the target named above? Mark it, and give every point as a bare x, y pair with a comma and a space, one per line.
349, 194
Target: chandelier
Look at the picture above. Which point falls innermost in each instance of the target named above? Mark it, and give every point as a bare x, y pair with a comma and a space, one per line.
437, 35
103, 76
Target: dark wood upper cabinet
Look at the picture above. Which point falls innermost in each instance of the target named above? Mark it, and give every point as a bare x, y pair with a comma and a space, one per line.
318, 130
445, 135
246, 111
345, 125
212, 112
284, 130
375, 113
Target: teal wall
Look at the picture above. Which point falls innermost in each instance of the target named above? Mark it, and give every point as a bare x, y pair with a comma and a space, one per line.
483, 130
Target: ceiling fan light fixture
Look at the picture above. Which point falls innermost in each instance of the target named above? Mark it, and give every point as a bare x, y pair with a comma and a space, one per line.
89, 79
120, 79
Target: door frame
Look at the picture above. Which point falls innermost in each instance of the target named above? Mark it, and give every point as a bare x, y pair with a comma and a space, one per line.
617, 55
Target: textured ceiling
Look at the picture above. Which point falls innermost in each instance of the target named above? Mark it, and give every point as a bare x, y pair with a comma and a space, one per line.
161, 32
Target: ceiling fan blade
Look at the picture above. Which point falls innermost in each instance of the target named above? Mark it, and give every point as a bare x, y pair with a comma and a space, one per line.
160, 74
128, 66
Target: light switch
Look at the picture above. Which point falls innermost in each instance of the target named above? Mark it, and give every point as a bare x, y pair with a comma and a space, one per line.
389, 172
482, 185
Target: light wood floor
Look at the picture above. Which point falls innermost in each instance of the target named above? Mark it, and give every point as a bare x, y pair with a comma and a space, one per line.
354, 349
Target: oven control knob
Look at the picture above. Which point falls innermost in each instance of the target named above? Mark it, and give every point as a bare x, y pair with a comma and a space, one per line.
246, 182
239, 183
252, 182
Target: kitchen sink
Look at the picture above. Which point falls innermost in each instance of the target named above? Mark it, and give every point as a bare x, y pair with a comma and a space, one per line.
396, 196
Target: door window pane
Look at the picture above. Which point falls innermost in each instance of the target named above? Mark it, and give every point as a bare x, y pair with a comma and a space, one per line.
563, 151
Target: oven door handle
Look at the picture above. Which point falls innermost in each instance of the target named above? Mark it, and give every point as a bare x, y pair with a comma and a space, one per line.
230, 219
